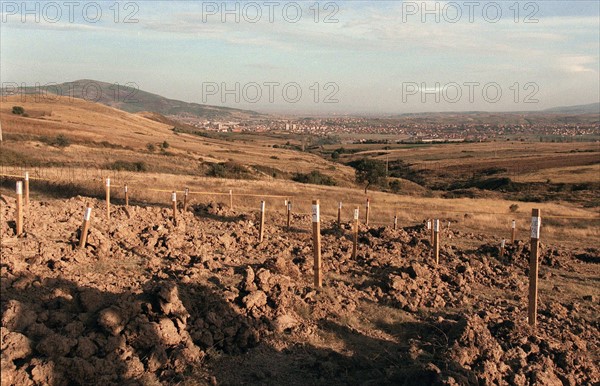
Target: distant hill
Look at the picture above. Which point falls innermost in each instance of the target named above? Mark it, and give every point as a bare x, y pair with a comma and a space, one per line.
569, 114
134, 100
592, 108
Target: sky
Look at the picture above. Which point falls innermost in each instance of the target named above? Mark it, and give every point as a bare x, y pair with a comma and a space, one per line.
315, 57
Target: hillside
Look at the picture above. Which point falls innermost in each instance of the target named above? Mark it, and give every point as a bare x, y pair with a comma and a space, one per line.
133, 100
592, 108
100, 136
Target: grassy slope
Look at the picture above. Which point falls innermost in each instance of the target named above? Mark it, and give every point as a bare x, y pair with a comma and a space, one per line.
83, 121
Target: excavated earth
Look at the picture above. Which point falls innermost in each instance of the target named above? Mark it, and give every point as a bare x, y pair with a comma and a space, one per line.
201, 302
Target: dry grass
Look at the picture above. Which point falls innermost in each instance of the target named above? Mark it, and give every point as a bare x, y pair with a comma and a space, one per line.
486, 216
81, 167
83, 122
522, 161
567, 175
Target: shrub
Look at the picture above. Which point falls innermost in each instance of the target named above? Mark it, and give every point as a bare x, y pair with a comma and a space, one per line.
395, 186
513, 208
165, 145
62, 141
315, 177
137, 166
58, 141
18, 110
228, 170
151, 148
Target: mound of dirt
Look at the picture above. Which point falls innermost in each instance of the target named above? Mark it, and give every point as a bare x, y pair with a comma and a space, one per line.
149, 301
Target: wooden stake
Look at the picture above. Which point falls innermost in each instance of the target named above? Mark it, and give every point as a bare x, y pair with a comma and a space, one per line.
533, 266
185, 199
85, 226
355, 241
339, 214
436, 240
502, 246
174, 203
19, 217
126, 196
26, 185
261, 230
289, 214
230, 199
430, 228
367, 210
108, 199
513, 236
395, 221
316, 220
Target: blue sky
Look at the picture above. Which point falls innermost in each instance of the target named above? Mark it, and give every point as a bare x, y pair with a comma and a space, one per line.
369, 57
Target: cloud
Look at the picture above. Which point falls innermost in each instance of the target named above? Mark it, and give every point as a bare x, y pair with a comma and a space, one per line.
578, 64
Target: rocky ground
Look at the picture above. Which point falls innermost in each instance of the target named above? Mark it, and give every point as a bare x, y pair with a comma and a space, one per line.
202, 302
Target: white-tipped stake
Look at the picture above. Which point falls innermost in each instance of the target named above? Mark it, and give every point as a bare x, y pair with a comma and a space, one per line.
513, 231
316, 220
85, 226
261, 229
436, 240
174, 203
186, 193
355, 239
316, 215
19, 214
88, 214
536, 222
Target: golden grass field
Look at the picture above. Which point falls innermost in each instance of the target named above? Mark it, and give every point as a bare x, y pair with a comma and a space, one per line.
84, 121
522, 161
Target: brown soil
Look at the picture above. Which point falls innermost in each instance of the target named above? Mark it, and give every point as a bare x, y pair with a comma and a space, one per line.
201, 302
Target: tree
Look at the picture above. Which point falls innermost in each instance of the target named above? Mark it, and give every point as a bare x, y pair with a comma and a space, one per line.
370, 171
18, 110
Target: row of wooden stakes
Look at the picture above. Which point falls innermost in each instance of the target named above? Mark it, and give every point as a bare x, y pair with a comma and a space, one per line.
22, 198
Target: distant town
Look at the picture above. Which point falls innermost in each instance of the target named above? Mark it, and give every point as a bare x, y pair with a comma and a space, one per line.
418, 130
